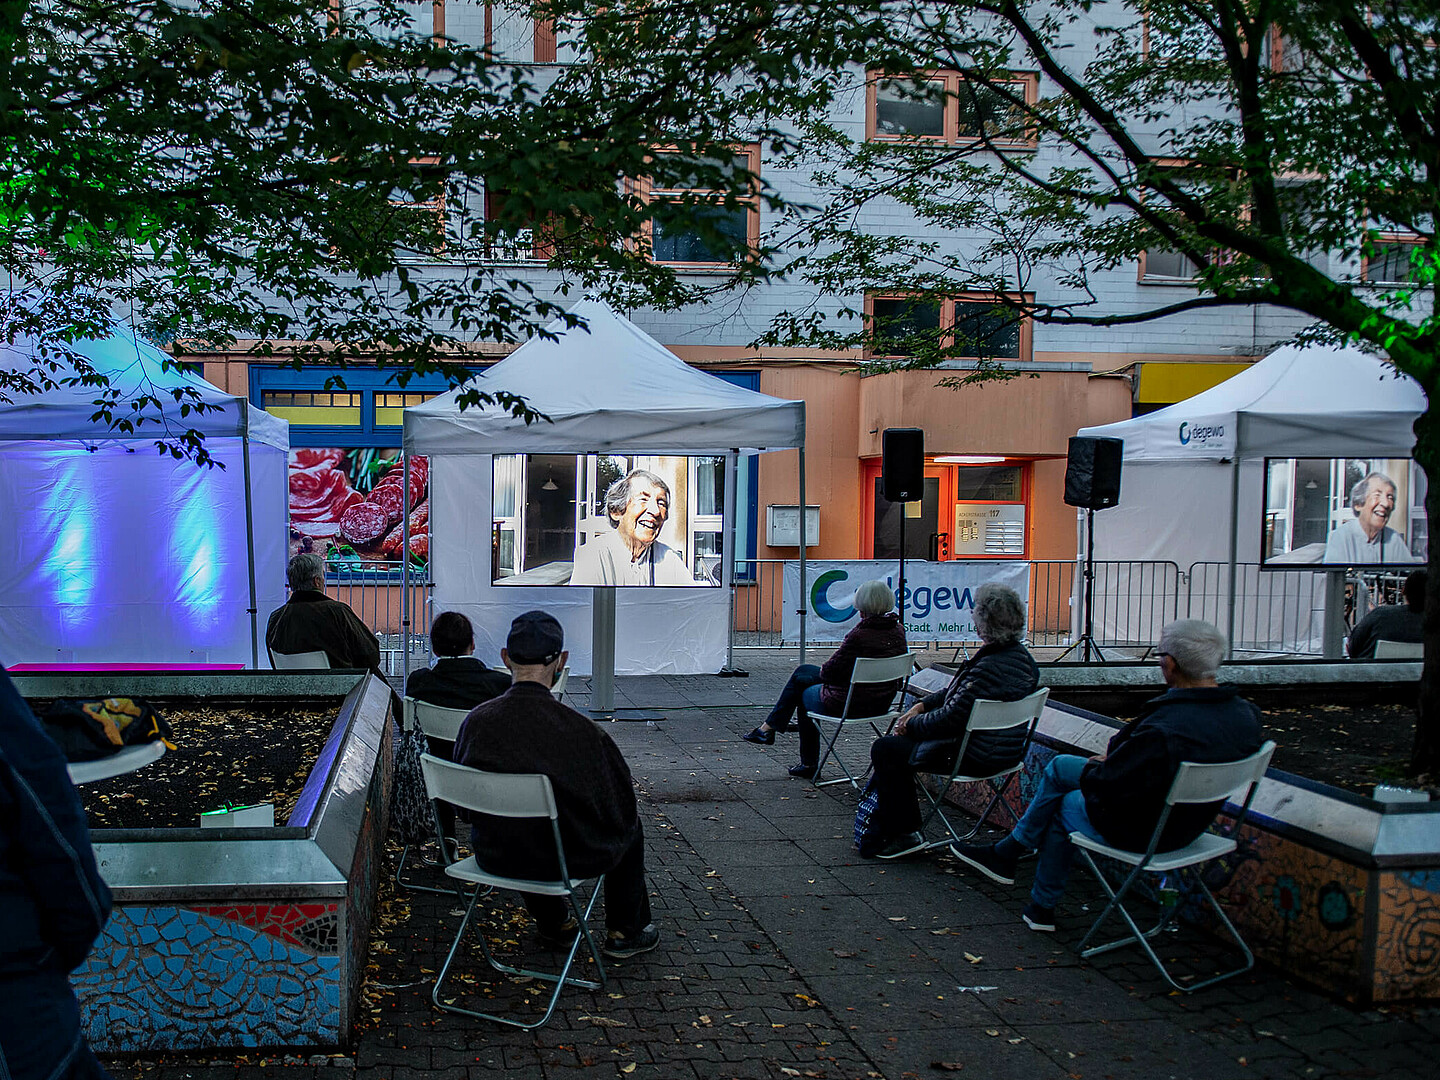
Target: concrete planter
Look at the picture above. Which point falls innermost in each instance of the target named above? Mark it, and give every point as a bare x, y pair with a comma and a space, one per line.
243, 938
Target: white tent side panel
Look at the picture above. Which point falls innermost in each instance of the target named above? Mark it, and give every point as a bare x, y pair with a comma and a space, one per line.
132, 557
270, 509
662, 631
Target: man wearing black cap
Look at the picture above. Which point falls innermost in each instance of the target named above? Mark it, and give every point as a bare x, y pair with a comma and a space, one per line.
525, 730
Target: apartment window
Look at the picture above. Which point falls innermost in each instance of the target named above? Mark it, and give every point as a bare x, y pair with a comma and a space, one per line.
945, 107
973, 325
1160, 264
507, 240
1390, 264
710, 232
422, 206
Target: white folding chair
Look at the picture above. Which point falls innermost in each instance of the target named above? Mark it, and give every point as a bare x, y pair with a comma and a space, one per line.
867, 671
985, 716
299, 661
1399, 650
558, 688
1194, 783
434, 722
511, 795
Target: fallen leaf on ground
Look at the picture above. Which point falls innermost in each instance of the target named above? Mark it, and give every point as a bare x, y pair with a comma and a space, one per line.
973, 958
947, 1066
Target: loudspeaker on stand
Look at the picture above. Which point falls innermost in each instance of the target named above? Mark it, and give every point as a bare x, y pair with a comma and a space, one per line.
902, 464
1092, 472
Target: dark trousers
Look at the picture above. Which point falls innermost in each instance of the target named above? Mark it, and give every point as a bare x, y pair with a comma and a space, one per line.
894, 781
802, 692
40, 1031
627, 896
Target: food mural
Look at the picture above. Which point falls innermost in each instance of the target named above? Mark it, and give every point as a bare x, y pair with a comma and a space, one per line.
347, 505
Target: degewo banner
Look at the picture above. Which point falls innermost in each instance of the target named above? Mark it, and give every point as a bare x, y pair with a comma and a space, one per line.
939, 596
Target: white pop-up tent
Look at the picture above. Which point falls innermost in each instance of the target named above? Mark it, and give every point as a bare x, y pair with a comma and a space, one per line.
116, 553
1192, 474
607, 387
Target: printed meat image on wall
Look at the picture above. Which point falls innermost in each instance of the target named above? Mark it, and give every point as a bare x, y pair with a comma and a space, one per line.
347, 505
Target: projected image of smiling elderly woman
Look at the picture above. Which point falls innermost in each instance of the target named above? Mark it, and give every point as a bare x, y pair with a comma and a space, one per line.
638, 505
1368, 538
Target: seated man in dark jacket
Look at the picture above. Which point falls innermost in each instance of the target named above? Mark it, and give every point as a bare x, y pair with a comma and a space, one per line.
1117, 797
457, 680
1392, 622
928, 735
525, 730
53, 904
311, 622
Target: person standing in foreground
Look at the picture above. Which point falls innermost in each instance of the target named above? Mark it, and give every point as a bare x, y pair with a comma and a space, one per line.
53, 903
525, 730
1118, 796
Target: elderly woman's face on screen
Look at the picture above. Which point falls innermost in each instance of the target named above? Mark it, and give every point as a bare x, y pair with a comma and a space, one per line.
1378, 506
645, 513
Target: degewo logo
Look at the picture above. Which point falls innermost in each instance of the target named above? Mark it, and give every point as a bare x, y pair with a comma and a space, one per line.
1201, 436
821, 603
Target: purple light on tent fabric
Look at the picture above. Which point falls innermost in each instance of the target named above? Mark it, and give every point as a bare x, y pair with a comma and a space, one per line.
70, 567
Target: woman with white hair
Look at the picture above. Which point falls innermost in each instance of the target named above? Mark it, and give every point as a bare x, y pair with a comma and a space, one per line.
823, 689
927, 736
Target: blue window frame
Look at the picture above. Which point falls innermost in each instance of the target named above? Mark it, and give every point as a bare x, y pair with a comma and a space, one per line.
747, 498
365, 412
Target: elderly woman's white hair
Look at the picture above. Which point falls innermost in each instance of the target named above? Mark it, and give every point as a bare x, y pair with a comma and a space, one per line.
1196, 646
874, 598
999, 614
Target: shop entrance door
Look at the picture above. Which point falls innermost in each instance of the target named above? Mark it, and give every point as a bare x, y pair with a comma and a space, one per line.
922, 534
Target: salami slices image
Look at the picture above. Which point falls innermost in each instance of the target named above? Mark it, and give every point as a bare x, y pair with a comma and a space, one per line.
391, 499
364, 524
419, 522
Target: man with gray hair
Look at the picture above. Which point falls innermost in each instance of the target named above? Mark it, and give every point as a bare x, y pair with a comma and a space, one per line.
1367, 539
1118, 796
311, 622
638, 505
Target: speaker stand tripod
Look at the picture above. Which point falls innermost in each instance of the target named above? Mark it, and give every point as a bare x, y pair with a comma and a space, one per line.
1086, 642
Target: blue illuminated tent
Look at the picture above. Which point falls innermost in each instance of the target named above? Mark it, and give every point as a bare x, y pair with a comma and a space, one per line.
113, 553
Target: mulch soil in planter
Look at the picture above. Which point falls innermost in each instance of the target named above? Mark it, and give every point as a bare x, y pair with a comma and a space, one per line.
1352, 747
230, 755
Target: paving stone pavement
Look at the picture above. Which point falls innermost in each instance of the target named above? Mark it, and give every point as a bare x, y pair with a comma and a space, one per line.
786, 955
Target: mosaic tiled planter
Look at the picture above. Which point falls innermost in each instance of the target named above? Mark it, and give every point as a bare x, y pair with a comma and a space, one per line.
243, 938
1338, 890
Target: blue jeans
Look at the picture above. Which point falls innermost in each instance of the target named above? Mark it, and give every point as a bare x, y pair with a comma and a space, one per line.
802, 692
1057, 810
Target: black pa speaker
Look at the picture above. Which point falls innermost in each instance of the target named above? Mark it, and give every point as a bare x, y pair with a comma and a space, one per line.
902, 464
1092, 472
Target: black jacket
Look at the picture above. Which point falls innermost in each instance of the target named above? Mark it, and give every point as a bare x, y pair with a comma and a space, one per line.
525, 730
874, 636
1004, 672
1125, 793
456, 682
311, 621
1390, 622
52, 901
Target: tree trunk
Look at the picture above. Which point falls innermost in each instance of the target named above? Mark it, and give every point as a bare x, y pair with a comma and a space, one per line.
1425, 755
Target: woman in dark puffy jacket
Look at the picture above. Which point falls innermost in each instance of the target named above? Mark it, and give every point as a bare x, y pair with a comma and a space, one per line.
927, 737
823, 689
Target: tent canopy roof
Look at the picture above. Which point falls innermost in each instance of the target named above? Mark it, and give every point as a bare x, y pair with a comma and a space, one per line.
607, 386
134, 368
1300, 401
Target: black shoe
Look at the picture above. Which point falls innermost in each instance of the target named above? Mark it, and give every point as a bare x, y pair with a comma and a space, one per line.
556, 937
803, 771
908, 844
764, 738
1039, 918
620, 946
985, 859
